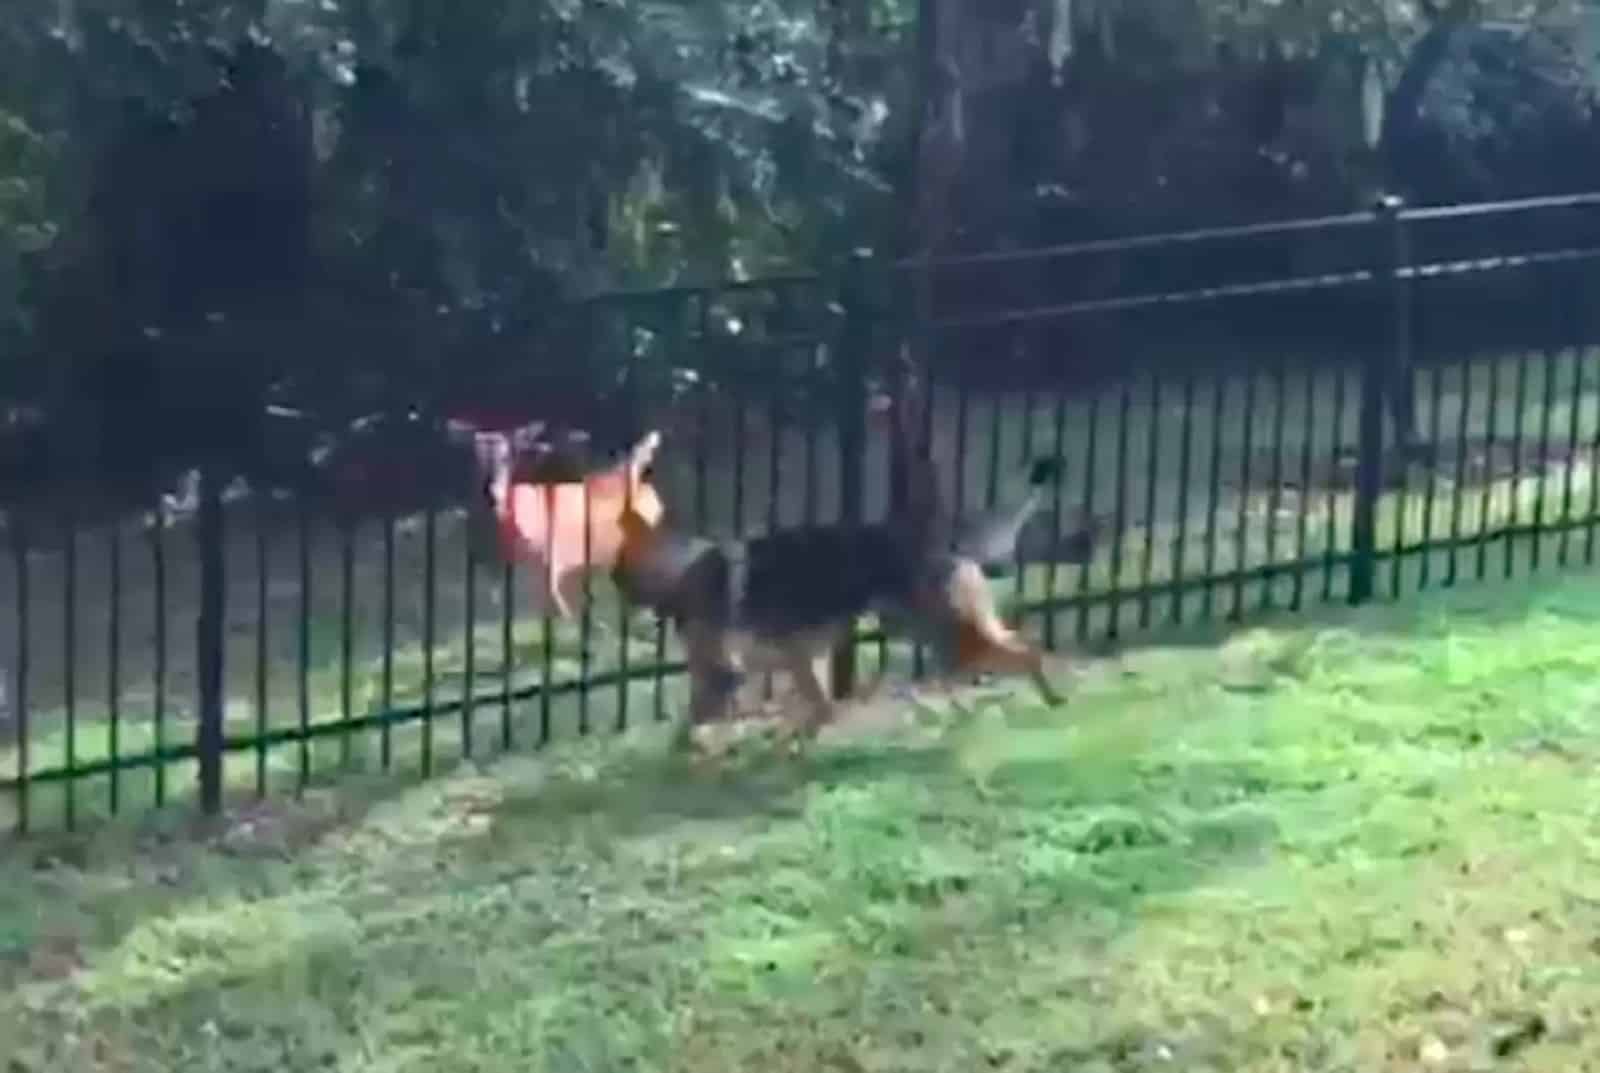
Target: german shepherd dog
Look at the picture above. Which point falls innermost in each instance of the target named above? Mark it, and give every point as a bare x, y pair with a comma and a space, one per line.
783, 600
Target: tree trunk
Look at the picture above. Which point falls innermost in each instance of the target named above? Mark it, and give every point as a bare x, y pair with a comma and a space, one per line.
1402, 107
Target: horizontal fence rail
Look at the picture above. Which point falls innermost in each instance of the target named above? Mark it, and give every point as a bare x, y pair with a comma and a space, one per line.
1249, 420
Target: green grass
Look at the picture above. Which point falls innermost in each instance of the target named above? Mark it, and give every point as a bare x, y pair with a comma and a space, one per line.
1363, 843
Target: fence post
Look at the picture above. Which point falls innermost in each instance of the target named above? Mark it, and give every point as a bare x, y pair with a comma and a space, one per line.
854, 346
1381, 374
209, 634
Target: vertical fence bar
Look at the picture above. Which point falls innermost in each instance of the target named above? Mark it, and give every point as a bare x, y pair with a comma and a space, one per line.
1435, 405
1402, 377
812, 494
303, 642
114, 667
1486, 496
1572, 334
1514, 508
547, 653
702, 506
1380, 371
1059, 420
469, 676
263, 651
775, 424
347, 629
926, 422
854, 341
1180, 540
1119, 511
1280, 401
1548, 403
158, 672
1025, 453
386, 671
741, 432
1241, 536
210, 632
430, 612
963, 422
1575, 396
1091, 469
991, 484
659, 651
1330, 535
1368, 485
585, 616
1152, 477
624, 666
1463, 427
1219, 399
69, 656
702, 436
1400, 482
508, 595
1308, 437
1594, 486
20, 678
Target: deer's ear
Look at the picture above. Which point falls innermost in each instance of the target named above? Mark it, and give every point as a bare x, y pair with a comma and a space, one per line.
643, 455
526, 436
491, 447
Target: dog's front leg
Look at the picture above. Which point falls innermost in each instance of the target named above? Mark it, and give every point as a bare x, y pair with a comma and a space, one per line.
713, 684
811, 670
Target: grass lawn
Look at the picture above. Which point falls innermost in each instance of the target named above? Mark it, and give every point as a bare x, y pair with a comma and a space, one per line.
1364, 842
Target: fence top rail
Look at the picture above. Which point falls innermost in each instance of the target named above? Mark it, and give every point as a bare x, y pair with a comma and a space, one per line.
1494, 208
1128, 243
1140, 242
1320, 282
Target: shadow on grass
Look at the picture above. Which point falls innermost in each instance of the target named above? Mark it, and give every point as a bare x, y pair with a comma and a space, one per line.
602, 889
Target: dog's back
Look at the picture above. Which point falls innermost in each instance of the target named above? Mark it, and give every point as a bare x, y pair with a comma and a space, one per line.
819, 576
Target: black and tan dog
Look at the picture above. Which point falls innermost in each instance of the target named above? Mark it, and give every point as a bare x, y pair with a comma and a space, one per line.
783, 600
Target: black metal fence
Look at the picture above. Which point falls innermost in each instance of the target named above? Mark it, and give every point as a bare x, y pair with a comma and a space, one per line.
1256, 418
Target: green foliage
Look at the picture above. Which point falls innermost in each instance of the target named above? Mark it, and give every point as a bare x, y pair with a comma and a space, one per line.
474, 161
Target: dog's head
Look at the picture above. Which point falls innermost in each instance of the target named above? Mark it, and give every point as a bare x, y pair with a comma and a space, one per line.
653, 559
642, 571
642, 512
